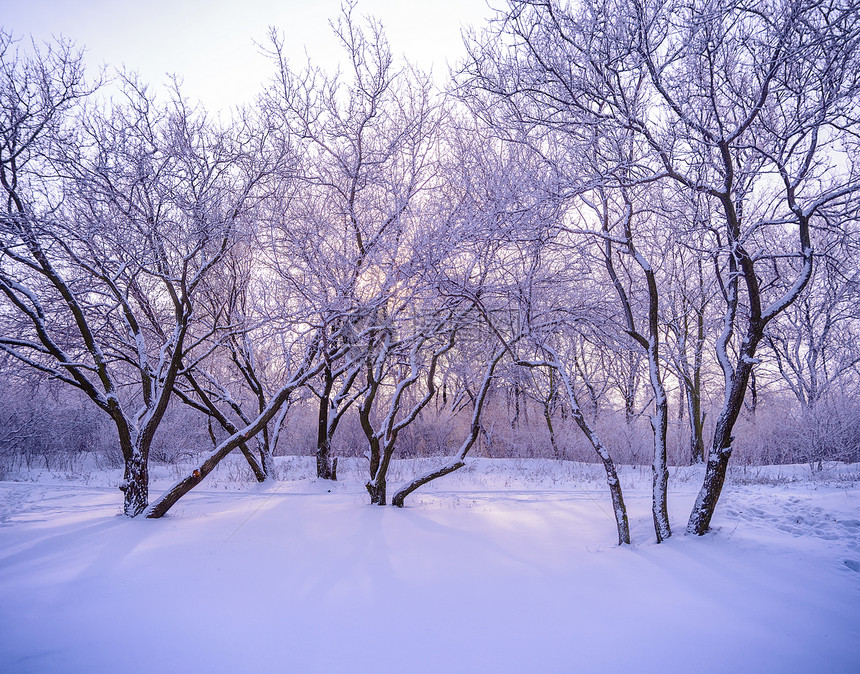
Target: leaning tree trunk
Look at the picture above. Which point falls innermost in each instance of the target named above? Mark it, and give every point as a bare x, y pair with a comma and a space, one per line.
651, 347
618, 507
721, 448
612, 481
167, 500
400, 497
741, 265
474, 432
214, 413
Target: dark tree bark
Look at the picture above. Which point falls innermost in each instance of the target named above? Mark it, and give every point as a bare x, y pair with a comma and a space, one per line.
166, 501
324, 465
474, 432
612, 481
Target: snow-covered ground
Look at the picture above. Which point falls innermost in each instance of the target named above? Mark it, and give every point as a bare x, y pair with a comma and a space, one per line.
506, 566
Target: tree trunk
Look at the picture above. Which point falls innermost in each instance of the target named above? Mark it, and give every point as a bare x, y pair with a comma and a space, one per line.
660, 473
474, 433
697, 421
267, 462
324, 466
376, 489
227, 425
135, 454
721, 449
552, 441
325, 469
167, 500
400, 496
618, 507
135, 485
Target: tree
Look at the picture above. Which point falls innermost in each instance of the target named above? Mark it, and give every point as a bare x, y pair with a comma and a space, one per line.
459, 459
108, 229
688, 324
618, 218
753, 111
236, 369
367, 137
403, 362
815, 347
780, 92
303, 370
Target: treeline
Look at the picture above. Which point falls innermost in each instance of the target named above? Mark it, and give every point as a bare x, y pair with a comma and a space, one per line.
47, 428
626, 227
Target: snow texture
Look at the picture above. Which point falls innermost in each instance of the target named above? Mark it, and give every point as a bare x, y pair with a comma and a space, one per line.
500, 567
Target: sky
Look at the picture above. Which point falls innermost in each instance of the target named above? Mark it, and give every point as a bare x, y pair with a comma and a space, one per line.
213, 44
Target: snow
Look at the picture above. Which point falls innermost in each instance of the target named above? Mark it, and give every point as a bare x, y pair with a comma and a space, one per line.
504, 566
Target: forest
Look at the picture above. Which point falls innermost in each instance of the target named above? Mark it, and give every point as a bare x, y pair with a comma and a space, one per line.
622, 233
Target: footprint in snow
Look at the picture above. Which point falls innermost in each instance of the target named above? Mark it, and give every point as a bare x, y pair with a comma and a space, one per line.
852, 564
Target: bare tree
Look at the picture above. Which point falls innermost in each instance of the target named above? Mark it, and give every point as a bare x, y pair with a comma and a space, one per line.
367, 137
815, 347
231, 382
403, 363
688, 323
306, 367
814, 342
485, 241
780, 92
753, 111
109, 228
459, 459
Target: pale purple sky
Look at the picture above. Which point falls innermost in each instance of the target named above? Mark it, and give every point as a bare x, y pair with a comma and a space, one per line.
211, 43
